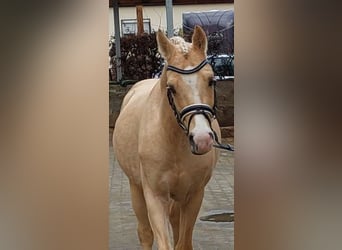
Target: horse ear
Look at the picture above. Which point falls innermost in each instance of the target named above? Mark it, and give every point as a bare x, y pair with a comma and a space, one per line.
199, 39
165, 47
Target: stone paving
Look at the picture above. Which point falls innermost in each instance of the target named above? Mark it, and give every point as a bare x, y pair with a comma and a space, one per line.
219, 197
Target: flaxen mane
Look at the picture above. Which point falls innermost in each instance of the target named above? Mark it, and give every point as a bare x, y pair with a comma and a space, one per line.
181, 44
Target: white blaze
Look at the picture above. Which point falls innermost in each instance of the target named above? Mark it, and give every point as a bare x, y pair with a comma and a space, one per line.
191, 80
201, 123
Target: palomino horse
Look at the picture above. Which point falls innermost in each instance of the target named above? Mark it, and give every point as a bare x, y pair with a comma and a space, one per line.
163, 141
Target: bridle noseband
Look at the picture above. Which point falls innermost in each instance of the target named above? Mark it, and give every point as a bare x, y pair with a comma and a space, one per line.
194, 109
189, 110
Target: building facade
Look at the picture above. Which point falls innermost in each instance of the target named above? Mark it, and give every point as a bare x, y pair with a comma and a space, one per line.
155, 15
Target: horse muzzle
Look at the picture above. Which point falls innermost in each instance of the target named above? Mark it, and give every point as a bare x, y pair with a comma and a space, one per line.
201, 143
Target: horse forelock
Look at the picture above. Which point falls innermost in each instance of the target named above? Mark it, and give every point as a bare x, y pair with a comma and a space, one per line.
181, 44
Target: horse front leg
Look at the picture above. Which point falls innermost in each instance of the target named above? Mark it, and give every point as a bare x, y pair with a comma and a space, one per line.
188, 216
174, 219
158, 214
144, 228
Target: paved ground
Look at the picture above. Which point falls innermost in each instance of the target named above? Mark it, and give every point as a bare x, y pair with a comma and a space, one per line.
219, 197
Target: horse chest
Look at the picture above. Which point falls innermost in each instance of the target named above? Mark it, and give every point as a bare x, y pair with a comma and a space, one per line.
180, 181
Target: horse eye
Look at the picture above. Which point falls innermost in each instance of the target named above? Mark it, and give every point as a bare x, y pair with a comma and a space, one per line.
172, 88
212, 82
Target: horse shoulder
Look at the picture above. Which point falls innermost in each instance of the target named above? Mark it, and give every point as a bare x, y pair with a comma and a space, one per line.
125, 139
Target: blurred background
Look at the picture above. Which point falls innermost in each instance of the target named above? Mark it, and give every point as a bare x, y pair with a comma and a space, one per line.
54, 125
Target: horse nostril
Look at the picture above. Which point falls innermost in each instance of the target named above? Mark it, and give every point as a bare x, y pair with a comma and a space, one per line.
191, 137
193, 146
211, 134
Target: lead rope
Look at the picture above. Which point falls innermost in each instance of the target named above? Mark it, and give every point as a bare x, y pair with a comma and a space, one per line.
220, 145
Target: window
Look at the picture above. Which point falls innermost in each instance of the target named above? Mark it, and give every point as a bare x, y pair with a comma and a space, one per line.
129, 26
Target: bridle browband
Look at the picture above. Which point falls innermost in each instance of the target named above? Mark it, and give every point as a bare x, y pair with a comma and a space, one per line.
194, 109
188, 71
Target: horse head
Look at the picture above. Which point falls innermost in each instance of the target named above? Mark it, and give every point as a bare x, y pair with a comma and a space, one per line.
189, 82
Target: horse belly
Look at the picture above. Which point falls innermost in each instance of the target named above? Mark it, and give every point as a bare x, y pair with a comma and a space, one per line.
125, 136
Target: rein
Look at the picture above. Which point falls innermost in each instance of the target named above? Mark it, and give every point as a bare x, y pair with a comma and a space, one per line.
195, 109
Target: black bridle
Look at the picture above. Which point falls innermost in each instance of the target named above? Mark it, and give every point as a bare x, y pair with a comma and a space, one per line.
194, 109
